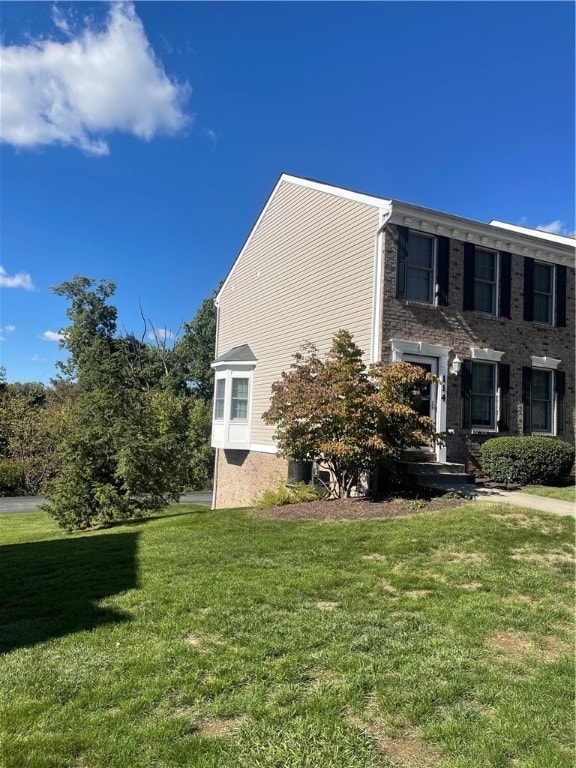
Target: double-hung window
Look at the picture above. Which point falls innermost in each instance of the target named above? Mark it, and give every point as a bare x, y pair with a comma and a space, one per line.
541, 401
483, 396
486, 281
543, 387
422, 267
543, 297
219, 399
239, 399
544, 292
485, 391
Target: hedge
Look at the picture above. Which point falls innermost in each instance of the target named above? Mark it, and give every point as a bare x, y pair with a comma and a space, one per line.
523, 460
12, 478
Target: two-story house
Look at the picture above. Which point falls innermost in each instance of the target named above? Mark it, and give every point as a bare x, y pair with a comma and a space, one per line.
488, 308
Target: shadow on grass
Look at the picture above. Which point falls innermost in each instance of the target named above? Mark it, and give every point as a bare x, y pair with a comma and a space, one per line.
173, 510
51, 588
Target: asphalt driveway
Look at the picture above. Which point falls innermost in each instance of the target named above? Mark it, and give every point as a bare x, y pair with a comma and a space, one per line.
10, 504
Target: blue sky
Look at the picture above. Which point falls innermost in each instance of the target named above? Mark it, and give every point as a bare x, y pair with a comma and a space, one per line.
140, 141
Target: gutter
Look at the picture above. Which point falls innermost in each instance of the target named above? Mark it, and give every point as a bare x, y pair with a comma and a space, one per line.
376, 334
217, 453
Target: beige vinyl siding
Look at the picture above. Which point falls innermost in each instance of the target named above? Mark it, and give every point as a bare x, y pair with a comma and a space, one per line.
306, 272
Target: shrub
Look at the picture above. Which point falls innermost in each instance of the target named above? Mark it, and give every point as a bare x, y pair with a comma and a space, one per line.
287, 494
526, 459
12, 478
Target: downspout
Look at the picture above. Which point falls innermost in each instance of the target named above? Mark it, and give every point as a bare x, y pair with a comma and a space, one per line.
217, 454
375, 346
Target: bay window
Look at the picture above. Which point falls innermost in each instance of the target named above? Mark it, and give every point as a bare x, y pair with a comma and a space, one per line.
232, 398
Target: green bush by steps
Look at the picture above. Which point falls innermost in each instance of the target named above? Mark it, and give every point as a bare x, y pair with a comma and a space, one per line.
524, 460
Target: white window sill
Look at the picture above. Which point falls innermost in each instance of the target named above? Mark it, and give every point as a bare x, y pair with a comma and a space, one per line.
414, 303
477, 431
487, 315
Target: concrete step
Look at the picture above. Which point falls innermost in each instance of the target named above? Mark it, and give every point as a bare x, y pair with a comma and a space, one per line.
441, 481
435, 469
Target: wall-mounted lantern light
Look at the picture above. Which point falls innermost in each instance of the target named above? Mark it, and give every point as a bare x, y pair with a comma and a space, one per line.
456, 366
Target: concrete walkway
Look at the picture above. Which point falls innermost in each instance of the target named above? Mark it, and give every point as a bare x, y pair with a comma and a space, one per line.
519, 499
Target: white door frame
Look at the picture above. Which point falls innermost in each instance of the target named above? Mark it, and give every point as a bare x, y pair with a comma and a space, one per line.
411, 351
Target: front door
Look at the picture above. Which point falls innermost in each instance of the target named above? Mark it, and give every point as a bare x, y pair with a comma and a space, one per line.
428, 393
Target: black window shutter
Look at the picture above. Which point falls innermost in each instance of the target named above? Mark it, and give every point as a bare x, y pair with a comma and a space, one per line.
560, 387
527, 399
528, 289
466, 377
504, 386
443, 270
402, 250
505, 283
560, 295
469, 254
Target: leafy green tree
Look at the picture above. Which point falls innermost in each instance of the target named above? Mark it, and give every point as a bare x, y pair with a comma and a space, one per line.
195, 351
122, 439
27, 418
336, 411
201, 462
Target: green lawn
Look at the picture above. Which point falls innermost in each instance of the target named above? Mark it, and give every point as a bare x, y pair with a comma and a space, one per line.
220, 639
564, 493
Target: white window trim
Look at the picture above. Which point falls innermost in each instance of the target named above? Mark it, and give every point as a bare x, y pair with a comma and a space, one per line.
434, 270
553, 401
497, 264
228, 432
545, 362
486, 354
477, 429
217, 379
493, 356
552, 322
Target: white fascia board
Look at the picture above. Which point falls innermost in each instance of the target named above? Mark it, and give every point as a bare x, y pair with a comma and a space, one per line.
347, 194
532, 232
249, 238
490, 235
235, 365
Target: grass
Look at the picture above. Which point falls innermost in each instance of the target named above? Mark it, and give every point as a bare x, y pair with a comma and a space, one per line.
217, 639
563, 493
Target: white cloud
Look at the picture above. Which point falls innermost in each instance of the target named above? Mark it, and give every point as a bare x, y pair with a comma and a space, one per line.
19, 280
51, 336
38, 359
556, 227
98, 81
161, 334
9, 328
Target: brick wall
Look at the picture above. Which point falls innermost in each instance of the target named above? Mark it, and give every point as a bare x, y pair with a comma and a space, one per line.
243, 475
452, 326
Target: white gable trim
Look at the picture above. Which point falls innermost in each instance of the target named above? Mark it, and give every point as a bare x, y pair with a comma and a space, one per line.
347, 194
248, 239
